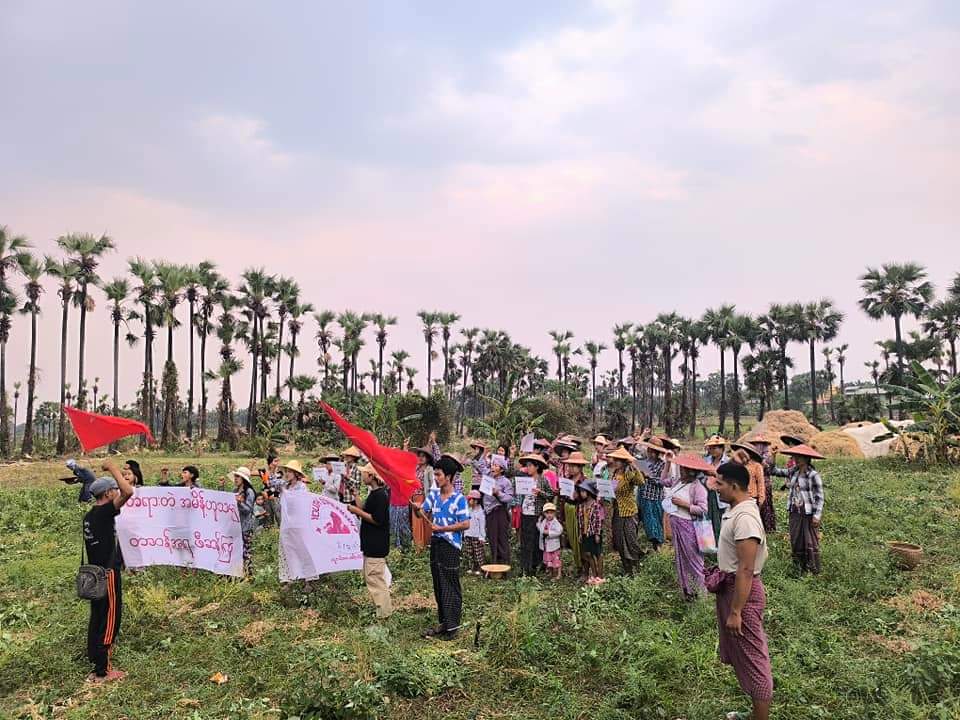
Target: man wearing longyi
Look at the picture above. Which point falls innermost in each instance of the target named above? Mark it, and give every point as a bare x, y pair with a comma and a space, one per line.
446, 510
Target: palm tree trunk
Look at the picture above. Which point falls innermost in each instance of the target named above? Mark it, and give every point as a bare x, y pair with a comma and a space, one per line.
190, 384
116, 365
382, 346
81, 390
723, 393
263, 362
293, 355
693, 398
4, 415
279, 353
203, 378
27, 447
633, 392
953, 356
593, 394
620, 373
813, 382
252, 409
783, 371
429, 366
736, 392
61, 426
667, 392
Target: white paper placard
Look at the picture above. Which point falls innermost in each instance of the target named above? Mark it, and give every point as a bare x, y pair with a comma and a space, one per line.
339, 468
486, 485
320, 475
526, 443
566, 487
525, 484
317, 536
605, 488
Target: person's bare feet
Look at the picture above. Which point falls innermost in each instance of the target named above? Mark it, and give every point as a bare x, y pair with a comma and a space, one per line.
115, 675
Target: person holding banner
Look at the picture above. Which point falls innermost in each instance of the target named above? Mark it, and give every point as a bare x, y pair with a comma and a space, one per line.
375, 538
447, 512
246, 502
110, 494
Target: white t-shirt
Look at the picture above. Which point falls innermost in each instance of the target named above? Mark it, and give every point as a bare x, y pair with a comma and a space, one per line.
740, 522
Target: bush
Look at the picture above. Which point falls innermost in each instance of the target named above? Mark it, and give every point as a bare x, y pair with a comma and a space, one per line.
425, 672
933, 671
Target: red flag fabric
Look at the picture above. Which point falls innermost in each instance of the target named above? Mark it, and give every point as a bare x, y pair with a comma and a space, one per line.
95, 431
397, 467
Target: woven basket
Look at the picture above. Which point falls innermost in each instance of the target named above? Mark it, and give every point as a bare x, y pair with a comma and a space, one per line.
906, 555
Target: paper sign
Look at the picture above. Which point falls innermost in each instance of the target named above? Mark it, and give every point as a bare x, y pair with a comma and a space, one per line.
185, 527
566, 487
339, 468
317, 536
525, 484
320, 475
526, 443
486, 485
605, 488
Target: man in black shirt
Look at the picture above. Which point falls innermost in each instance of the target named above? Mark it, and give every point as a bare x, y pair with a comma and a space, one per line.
375, 539
100, 538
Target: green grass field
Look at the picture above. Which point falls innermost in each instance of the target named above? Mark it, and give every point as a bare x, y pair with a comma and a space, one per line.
864, 640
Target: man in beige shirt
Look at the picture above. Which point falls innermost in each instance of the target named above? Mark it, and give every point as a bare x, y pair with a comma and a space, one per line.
741, 554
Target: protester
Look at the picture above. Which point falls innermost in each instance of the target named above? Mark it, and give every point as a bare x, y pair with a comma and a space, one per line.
425, 459
497, 509
531, 559
110, 494
294, 480
80, 475
551, 531
401, 534
768, 512
625, 525
748, 456
350, 482
246, 502
804, 506
600, 443
479, 463
716, 455
475, 538
591, 513
741, 599
568, 507
375, 539
447, 512
687, 499
164, 477
651, 492
190, 477
272, 479
133, 473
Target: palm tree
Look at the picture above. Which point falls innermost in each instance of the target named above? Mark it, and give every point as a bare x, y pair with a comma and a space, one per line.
8, 306
13, 253
16, 403
146, 293
254, 290
411, 374
324, 340
117, 292
874, 367
85, 250
841, 360
66, 272
895, 290
743, 331
286, 296
560, 338
214, 286
429, 320
302, 384
827, 353
192, 295
381, 322
296, 310
783, 324
717, 323
820, 321
467, 348
697, 336
943, 322
33, 270
172, 279
620, 335
229, 366
593, 350
633, 350
400, 357
446, 320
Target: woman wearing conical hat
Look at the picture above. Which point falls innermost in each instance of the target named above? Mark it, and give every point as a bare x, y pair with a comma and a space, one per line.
716, 448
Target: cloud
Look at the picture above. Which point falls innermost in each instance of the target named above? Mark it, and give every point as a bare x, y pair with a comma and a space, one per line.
241, 139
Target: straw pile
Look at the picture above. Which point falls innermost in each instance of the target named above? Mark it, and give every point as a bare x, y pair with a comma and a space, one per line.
836, 443
782, 422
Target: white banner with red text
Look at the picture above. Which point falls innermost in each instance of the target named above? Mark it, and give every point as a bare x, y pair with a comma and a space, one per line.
317, 536
186, 527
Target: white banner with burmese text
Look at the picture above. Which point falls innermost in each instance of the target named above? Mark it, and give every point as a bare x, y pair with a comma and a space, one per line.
186, 527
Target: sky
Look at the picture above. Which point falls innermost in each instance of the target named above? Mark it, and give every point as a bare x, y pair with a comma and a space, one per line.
530, 166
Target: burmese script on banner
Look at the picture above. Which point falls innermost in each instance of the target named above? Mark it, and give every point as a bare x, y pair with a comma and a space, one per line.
317, 536
186, 527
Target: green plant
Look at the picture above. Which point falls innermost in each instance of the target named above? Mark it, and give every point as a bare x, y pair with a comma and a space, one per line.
934, 407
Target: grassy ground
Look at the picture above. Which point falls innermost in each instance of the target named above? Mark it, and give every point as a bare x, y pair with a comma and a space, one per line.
864, 640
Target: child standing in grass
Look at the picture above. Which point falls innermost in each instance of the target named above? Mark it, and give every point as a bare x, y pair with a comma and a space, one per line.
550, 533
475, 537
591, 515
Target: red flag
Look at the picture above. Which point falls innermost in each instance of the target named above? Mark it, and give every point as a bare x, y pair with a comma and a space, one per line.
95, 431
398, 468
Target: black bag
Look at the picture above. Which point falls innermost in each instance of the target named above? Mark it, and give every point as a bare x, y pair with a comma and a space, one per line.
92, 579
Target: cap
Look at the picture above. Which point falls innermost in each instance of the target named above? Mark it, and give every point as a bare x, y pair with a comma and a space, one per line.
101, 485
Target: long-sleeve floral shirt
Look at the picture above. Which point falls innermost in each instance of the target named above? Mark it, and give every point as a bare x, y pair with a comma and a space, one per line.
653, 488
625, 482
590, 517
806, 490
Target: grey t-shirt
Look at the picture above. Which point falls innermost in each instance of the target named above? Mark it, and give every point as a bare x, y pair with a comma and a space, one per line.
740, 522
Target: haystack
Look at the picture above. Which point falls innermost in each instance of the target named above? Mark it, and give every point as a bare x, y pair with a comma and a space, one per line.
836, 443
782, 422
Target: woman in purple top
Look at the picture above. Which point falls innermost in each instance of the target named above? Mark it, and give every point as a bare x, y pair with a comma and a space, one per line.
687, 503
497, 509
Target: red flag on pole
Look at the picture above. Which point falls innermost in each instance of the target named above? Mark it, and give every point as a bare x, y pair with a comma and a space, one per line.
95, 431
397, 467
